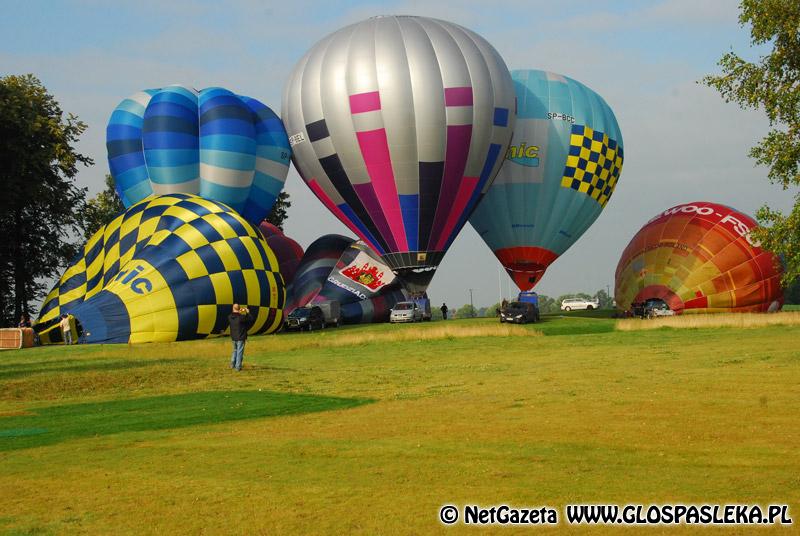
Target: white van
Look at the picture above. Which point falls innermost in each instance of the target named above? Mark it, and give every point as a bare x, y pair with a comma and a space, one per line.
577, 304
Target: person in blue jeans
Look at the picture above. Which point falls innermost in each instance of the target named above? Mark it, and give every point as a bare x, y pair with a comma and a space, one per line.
240, 321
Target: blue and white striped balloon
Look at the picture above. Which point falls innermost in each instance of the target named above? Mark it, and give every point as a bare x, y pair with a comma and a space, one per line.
213, 143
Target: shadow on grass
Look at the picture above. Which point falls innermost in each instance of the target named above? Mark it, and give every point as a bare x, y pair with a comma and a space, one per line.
19, 370
54, 424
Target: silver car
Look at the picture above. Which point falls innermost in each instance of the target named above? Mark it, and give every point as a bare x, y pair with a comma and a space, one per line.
405, 312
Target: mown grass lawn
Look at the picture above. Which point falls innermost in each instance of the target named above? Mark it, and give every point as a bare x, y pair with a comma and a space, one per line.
357, 430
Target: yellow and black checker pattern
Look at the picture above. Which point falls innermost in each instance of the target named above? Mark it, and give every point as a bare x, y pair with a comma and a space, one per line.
593, 165
204, 255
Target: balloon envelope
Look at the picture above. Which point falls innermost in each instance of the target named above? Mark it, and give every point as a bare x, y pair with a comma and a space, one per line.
562, 166
212, 143
169, 268
287, 251
398, 125
699, 257
338, 268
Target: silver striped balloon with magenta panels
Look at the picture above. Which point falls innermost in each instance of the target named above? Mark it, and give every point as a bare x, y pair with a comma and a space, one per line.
399, 126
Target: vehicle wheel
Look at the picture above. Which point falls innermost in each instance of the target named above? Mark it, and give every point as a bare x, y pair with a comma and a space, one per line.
589, 307
568, 308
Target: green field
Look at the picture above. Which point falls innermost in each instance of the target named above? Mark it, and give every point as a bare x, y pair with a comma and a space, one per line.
371, 429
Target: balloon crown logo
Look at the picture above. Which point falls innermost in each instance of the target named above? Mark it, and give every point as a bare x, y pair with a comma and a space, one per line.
368, 275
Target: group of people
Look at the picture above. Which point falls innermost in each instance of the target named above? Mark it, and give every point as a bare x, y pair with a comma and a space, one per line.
65, 324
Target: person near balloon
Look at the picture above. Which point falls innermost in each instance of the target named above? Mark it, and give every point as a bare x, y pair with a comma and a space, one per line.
240, 321
66, 329
444, 311
24, 321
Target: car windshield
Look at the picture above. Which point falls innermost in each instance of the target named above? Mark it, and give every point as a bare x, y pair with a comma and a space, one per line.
303, 312
516, 305
404, 306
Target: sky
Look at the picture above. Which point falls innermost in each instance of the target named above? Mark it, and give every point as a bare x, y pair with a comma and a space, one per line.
682, 141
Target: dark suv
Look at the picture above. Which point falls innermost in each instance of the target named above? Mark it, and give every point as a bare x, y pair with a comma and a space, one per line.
519, 313
305, 318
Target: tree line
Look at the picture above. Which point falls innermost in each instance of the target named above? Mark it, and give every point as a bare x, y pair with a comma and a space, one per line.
547, 304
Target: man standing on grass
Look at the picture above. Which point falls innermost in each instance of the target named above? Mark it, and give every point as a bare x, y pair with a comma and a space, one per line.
240, 320
66, 329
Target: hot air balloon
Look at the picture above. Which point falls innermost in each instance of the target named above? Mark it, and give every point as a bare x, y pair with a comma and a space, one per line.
213, 143
287, 251
699, 257
169, 268
560, 171
398, 125
338, 268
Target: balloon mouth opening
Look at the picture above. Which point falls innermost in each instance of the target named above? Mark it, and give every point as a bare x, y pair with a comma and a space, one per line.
414, 269
525, 264
666, 294
416, 280
526, 276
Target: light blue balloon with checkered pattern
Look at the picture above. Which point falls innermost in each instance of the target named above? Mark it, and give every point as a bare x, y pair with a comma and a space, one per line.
561, 169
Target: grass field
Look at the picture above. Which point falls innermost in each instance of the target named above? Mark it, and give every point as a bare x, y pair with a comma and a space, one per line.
371, 429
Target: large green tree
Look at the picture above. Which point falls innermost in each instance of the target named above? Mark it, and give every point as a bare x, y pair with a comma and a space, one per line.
772, 83
40, 207
466, 311
102, 208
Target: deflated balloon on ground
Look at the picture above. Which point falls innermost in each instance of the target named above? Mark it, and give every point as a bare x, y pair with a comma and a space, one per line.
338, 268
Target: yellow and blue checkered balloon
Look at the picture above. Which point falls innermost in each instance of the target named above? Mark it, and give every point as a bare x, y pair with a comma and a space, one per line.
169, 268
212, 143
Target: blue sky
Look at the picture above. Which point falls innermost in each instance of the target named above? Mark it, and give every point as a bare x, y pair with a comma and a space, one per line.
682, 142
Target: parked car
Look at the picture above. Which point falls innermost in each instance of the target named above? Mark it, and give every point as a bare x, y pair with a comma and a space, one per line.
577, 304
306, 318
332, 313
405, 311
656, 307
519, 313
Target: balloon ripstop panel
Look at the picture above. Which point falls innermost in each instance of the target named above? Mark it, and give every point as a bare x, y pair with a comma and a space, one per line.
593, 165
